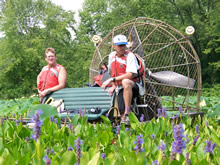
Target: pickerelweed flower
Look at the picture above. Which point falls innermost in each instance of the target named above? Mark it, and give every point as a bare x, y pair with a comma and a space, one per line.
52, 151
70, 148
162, 146
207, 123
77, 144
195, 140
187, 158
55, 120
27, 139
47, 160
209, 147
37, 127
103, 156
164, 113
178, 144
180, 109
17, 122
159, 112
197, 128
142, 118
187, 138
118, 128
51, 119
153, 136
107, 115
155, 162
139, 143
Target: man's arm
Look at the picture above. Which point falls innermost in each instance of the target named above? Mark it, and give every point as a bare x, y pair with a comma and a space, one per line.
62, 83
128, 75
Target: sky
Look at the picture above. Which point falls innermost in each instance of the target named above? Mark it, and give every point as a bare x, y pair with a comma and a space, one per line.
73, 5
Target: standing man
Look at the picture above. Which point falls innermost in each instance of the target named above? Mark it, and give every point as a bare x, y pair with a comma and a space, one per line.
123, 66
52, 77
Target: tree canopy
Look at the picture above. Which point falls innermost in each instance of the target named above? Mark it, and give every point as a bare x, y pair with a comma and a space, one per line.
30, 26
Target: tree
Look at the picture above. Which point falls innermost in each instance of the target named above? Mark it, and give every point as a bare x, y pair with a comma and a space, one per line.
30, 26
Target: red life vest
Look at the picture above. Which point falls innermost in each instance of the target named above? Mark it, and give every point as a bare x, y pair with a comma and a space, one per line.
119, 64
49, 77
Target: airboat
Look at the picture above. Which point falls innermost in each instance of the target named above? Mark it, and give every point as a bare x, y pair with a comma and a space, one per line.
172, 74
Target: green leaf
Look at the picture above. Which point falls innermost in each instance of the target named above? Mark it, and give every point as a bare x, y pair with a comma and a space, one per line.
204, 162
68, 158
94, 159
200, 151
106, 120
133, 121
24, 160
6, 158
215, 138
47, 110
104, 138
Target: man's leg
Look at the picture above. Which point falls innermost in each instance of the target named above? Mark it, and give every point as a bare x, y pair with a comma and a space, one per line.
127, 93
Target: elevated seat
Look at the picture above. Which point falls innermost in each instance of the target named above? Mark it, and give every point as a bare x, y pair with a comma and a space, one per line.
78, 100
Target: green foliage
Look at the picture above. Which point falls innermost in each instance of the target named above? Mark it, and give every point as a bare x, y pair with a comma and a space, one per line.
103, 138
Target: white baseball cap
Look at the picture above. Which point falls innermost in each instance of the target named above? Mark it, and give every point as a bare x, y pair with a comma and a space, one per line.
120, 40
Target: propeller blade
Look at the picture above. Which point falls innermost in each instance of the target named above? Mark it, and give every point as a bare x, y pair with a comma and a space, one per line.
173, 78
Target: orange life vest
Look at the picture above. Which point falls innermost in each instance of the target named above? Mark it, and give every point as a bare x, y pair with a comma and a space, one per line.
118, 67
49, 77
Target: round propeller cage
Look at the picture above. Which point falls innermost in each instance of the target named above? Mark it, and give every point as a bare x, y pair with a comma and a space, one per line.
173, 71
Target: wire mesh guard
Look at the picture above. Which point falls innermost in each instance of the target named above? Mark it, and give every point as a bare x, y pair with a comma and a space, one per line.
173, 71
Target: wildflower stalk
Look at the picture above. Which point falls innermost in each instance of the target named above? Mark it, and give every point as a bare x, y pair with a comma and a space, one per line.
38, 150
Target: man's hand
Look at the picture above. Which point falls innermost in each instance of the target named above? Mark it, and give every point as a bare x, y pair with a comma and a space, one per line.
111, 90
44, 93
106, 83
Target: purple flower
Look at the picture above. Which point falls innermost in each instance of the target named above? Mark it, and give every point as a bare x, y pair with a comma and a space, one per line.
209, 147
47, 160
55, 120
127, 129
118, 128
187, 158
27, 139
37, 126
14, 115
155, 162
195, 140
207, 123
107, 115
103, 156
166, 133
197, 128
180, 109
159, 112
162, 146
142, 118
187, 138
153, 136
178, 144
51, 118
139, 143
70, 148
77, 144
52, 151
17, 122
164, 113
